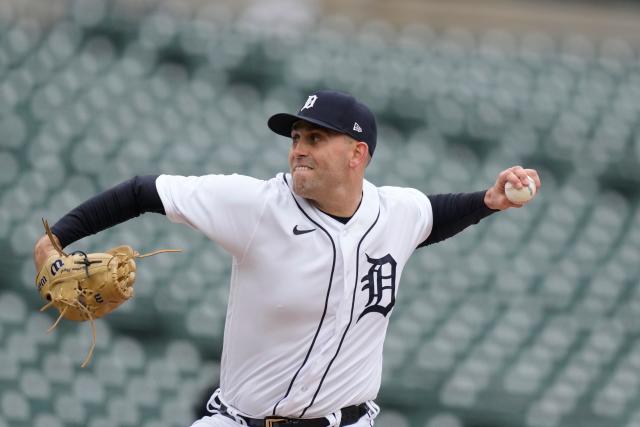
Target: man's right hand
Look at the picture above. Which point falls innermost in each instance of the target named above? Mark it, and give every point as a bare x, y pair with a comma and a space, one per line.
43, 250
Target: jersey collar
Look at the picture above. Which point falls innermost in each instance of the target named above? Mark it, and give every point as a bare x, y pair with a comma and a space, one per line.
364, 216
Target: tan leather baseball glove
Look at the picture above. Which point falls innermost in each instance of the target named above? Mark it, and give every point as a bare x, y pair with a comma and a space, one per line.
88, 286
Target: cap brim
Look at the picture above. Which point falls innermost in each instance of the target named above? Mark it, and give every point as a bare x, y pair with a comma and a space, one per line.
282, 123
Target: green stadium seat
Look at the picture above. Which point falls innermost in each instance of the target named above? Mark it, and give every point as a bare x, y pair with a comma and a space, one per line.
392, 418
448, 115
557, 290
9, 168
47, 420
577, 52
36, 69
609, 143
59, 368
9, 369
436, 355
37, 325
510, 284
155, 423
459, 391
610, 402
634, 420
88, 13
13, 129
497, 45
130, 353
615, 55
15, 407
21, 39
521, 139
585, 106
34, 387
444, 420
63, 40
88, 390
200, 320
478, 370
544, 413
177, 411
68, 410
184, 355
101, 422
158, 30
46, 101
568, 137
524, 378
164, 373
111, 371
122, 411
542, 110
21, 348
5, 223
143, 392
12, 309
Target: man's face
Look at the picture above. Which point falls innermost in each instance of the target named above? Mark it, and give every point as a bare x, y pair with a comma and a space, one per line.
318, 159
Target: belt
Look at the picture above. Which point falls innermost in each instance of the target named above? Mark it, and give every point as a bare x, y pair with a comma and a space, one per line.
350, 415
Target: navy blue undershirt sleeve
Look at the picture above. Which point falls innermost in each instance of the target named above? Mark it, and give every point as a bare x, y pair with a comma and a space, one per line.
452, 213
113, 206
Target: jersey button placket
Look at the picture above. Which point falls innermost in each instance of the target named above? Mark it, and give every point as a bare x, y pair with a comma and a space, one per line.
348, 258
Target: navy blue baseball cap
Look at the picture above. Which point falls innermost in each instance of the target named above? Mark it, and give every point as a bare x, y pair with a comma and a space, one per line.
333, 110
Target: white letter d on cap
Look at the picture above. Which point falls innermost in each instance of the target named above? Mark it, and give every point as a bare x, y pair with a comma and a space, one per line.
310, 101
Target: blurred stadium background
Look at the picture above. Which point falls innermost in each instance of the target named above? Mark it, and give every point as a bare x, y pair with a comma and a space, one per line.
531, 319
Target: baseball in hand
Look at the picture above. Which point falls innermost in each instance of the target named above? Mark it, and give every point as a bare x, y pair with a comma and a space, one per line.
522, 195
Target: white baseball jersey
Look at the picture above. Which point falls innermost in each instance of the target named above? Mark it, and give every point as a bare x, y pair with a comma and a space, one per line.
310, 297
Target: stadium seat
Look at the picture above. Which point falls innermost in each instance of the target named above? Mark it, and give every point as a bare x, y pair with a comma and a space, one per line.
392, 418
444, 420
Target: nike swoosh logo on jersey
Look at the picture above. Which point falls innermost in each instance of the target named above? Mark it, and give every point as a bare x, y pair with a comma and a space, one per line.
297, 231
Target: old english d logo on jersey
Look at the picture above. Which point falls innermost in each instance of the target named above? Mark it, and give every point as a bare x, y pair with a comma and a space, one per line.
380, 281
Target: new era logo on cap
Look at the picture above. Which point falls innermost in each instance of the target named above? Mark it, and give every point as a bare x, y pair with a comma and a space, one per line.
332, 110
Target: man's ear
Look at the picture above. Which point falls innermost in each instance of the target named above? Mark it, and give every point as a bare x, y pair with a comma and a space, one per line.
360, 154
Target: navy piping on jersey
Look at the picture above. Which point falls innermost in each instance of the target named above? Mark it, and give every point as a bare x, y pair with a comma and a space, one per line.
326, 301
353, 302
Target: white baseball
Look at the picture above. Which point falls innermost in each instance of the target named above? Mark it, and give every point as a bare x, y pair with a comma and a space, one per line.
522, 195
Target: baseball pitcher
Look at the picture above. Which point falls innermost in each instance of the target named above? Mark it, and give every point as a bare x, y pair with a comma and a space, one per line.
318, 253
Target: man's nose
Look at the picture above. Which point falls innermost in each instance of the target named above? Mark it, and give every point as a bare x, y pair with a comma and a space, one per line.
300, 148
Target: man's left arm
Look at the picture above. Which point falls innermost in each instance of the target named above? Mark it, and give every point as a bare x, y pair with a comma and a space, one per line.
452, 213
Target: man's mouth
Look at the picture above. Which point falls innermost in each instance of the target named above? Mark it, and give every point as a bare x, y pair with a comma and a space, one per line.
302, 168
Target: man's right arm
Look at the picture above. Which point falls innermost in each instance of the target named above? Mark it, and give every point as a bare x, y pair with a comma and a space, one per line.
113, 206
